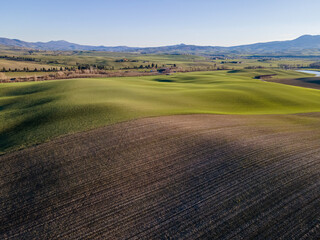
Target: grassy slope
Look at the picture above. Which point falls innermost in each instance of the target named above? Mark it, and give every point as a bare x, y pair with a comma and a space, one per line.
35, 112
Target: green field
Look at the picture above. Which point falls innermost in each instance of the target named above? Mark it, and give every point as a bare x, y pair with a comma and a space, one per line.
110, 61
35, 112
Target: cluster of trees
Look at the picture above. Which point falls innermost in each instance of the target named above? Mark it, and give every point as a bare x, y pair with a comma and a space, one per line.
26, 69
315, 65
233, 62
88, 73
81, 66
264, 60
103, 67
254, 67
149, 66
291, 66
126, 60
20, 58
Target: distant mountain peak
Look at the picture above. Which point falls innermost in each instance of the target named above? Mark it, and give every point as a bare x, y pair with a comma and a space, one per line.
58, 41
308, 36
305, 36
301, 43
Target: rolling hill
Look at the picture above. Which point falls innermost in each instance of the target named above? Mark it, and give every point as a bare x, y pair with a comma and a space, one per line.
35, 112
60, 45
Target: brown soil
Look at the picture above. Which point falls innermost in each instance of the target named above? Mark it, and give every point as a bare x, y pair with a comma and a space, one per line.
310, 82
188, 176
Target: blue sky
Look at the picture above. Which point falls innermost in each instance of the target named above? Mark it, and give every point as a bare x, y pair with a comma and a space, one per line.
161, 22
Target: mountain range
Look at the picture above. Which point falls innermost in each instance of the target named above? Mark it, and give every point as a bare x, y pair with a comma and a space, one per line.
303, 43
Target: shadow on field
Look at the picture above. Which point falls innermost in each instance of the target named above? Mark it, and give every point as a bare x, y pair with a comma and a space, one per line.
27, 90
313, 80
40, 102
234, 71
309, 82
5, 106
164, 80
7, 136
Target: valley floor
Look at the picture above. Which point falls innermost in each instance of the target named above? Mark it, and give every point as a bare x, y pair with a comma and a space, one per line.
184, 176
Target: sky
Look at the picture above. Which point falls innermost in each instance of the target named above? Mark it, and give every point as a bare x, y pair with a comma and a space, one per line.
144, 23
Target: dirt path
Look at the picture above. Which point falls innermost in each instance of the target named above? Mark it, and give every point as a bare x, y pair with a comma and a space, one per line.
188, 176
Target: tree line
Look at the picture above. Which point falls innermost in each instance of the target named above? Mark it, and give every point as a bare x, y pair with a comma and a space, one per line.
13, 58
26, 69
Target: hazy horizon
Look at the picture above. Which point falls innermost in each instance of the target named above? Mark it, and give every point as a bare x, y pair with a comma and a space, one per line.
161, 45
144, 23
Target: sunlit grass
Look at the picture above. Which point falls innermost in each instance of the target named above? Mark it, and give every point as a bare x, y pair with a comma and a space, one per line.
35, 112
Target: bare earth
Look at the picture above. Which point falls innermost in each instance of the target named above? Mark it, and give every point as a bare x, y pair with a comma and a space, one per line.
188, 176
310, 82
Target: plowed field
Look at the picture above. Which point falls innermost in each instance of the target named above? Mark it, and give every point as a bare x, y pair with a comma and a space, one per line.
187, 176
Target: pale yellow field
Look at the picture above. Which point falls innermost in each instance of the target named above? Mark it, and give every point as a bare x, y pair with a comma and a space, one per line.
20, 65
